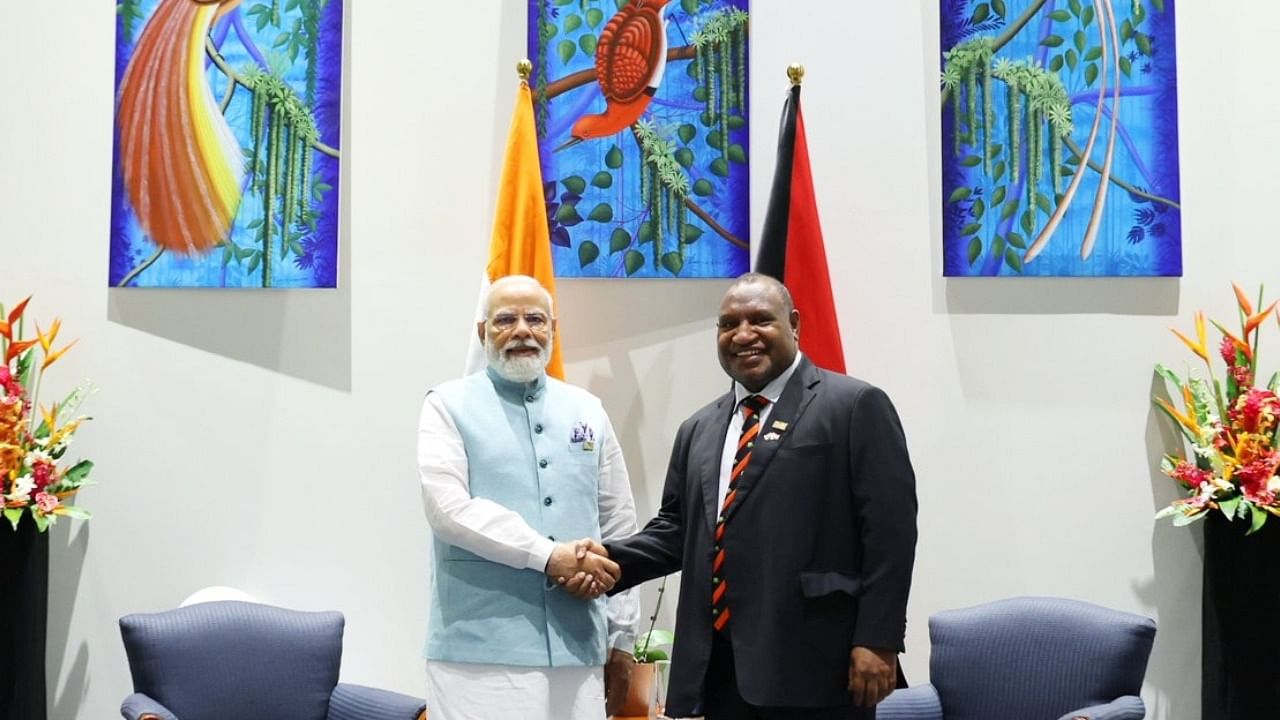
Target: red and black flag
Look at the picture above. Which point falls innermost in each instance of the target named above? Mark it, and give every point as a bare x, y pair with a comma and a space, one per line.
791, 248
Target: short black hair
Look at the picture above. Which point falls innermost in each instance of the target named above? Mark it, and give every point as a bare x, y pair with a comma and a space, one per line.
755, 278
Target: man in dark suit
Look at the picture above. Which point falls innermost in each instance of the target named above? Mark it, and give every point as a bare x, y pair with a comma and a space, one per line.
790, 507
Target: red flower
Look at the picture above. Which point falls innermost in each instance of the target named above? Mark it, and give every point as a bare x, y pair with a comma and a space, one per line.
1189, 475
43, 475
1228, 351
1255, 411
1253, 479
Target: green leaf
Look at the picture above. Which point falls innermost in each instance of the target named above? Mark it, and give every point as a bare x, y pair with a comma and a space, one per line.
1126, 30
574, 184
975, 249
997, 6
296, 248
594, 16
255, 224
970, 229
706, 119
702, 188
620, 240
720, 167
689, 6
686, 133
1055, 64
254, 262
737, 153
1012, 260
1075, 7
633, 260
1028, 222
1125, 66
736, 122
997, 247
77, 513
563, 2
997, 197
1079, 40
1042, 202
603, 180
645, 233
997, 170
714, 139
602, 212
613, 158
263, 19
970, 161
1259, 518
1229, 507
1094, 53
227, 254
654, 639
1052, 41
78, 472
994, 152
961, 193
1090, 73
673, 262
13, 515
1144, 43
978, 209
588, 44
1183, 520
1159, 5
1009, 209
573, 22
568, 215
1086, 16
980, 13
691, 234
587, 252
1060, 15
1072, 59
566, 49
1017, 241
684, 156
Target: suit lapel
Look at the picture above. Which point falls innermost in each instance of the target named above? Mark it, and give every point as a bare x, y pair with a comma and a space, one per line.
711, 453
778, 428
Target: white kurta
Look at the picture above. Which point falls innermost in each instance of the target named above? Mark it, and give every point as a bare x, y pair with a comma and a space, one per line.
468, 691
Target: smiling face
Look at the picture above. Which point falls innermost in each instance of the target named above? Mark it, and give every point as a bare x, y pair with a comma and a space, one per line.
756, 333
518, 329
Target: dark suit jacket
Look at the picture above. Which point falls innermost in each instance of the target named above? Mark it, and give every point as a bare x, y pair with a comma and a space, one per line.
820, 542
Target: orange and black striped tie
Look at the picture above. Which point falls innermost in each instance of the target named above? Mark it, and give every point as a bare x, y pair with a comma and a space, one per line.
751, 407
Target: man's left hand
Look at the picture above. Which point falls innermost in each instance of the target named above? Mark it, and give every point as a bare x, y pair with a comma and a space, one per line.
617, 680
873, 673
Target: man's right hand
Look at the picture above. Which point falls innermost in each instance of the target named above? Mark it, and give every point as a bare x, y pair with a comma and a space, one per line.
583, 568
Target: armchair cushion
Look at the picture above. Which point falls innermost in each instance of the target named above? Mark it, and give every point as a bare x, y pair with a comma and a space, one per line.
218, 660
914, 703
357, 702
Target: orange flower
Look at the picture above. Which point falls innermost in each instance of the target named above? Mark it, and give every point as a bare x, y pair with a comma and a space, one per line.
1243, 300
1199, 347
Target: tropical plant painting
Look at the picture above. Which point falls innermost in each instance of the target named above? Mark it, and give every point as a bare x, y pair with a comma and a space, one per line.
641, 108
225, 168
1060, 138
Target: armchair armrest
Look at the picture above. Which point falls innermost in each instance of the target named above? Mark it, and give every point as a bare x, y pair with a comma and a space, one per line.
140, 707
920, 702
357, 702
1126, 707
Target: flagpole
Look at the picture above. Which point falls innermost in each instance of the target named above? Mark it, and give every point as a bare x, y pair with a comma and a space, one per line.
795, 71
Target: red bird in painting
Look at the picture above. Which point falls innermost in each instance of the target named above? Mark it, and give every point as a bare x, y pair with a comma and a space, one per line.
631, 56
182, 165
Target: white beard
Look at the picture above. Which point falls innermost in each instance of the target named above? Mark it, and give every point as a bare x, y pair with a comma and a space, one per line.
519, 369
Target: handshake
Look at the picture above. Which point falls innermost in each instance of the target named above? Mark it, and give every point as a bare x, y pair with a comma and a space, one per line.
583, 568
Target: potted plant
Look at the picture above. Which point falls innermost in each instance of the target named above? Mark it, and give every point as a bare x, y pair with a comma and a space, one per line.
652, 663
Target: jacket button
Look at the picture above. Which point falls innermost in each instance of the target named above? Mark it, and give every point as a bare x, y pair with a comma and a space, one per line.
538, 428
528, 398
546, 501
543, 463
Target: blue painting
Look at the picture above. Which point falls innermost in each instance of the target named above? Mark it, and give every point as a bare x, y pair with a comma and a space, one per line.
1060, 138
641, 108
225, 164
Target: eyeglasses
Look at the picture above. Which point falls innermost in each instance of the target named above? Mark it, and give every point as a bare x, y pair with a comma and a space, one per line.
507, 321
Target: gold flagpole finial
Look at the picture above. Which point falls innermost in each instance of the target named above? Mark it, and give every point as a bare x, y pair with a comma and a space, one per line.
795, 71
524, 69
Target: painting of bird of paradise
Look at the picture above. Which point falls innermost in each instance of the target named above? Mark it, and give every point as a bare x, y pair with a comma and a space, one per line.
226, 143
641, 109
1060, 138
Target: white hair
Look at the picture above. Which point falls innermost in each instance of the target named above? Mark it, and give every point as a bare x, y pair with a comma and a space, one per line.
506, 280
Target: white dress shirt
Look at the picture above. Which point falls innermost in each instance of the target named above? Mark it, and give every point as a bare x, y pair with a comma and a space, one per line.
772, 392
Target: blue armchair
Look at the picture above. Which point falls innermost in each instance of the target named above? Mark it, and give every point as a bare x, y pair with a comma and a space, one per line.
219, 660
1030, 659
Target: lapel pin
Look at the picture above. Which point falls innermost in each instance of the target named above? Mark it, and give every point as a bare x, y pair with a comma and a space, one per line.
771, 436
779, 425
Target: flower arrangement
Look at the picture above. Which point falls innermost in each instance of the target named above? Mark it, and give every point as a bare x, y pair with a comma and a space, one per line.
1229, 423
33, 439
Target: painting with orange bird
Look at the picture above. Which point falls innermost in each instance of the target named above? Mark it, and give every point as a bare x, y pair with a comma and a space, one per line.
641, 108
227, 143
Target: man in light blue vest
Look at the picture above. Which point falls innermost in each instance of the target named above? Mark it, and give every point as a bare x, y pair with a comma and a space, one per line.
522, 473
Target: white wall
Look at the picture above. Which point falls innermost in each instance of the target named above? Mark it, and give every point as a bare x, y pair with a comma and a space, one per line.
265, 440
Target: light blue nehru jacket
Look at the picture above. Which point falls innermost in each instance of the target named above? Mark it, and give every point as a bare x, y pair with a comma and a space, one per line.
535, 449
